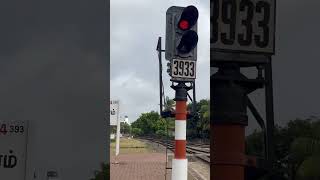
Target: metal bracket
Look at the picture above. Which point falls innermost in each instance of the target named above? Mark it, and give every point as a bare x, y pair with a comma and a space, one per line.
263, 63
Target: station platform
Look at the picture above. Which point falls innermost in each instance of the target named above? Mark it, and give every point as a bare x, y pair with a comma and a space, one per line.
142, 166
149, 165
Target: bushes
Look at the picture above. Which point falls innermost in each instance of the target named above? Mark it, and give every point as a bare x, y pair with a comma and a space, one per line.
136, 131
297, 148
151, 124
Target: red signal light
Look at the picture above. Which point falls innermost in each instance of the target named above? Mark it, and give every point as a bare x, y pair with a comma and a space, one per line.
184, 25
188, 18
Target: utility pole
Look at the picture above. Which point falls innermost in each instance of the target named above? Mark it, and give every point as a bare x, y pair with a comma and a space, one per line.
118, 132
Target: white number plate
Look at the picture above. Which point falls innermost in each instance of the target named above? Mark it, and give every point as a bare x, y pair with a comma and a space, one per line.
183, 69
243, 25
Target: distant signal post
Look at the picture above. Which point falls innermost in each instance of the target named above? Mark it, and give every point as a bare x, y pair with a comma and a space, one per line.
115, 121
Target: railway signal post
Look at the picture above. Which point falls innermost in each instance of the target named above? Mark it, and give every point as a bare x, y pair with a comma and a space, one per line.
181, 52
180, 162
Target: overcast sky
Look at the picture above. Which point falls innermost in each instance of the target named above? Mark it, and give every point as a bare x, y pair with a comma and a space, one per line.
296, 75
53, 72
297, 60
136, 25
135, 28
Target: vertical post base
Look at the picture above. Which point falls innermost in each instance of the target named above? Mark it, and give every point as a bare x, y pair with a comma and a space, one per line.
179, 169
228, 152
180, 162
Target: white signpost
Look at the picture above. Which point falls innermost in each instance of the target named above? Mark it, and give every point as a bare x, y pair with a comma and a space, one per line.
243, 26
13, 149
115, 120
114, 112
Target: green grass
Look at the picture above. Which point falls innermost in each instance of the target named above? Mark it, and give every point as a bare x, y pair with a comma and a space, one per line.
128, 146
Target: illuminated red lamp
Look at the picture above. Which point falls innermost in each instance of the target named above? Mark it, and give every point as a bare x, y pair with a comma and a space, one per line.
184, 25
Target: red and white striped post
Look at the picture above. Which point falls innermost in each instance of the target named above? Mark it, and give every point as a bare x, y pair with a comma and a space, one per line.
180, 161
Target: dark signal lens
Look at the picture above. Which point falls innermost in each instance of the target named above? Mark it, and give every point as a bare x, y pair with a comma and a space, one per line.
188, 41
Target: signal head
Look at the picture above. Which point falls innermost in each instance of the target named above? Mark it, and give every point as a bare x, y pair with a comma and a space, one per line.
188, 18
181, 33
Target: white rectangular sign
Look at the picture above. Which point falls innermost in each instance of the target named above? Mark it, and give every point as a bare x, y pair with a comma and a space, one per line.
114, 112
13, 148
183, 69
243, 25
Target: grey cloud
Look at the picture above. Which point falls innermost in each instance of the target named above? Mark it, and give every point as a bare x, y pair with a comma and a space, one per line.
135, 28
295, 64
54, 73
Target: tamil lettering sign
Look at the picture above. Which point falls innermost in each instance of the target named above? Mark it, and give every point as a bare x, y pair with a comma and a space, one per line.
243, 25
13, 148
114, 112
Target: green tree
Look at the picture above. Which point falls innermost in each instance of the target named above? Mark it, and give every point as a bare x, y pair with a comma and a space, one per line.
136, 131
113, 129
125, 128
152, 124
164, 127
203, 124
161, 127
297, 148
169, 104
147, 123
254, 143
199, 126
305, 153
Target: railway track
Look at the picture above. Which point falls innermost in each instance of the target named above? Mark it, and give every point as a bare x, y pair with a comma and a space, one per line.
200, 151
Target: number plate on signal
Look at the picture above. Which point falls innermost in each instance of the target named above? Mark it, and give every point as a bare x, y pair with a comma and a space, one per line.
243, 26
183, 70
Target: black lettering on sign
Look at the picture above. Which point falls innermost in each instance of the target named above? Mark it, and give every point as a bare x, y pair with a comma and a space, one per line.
192, 65
243, 22
263, 24
181, 67
113, 112
229, 17
8, 161
176, 71
14, 129
246, 39
214, 21
186, 73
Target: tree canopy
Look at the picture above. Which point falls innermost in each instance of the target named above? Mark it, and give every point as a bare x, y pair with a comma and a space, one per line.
152, 124
297, 148
199, 125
